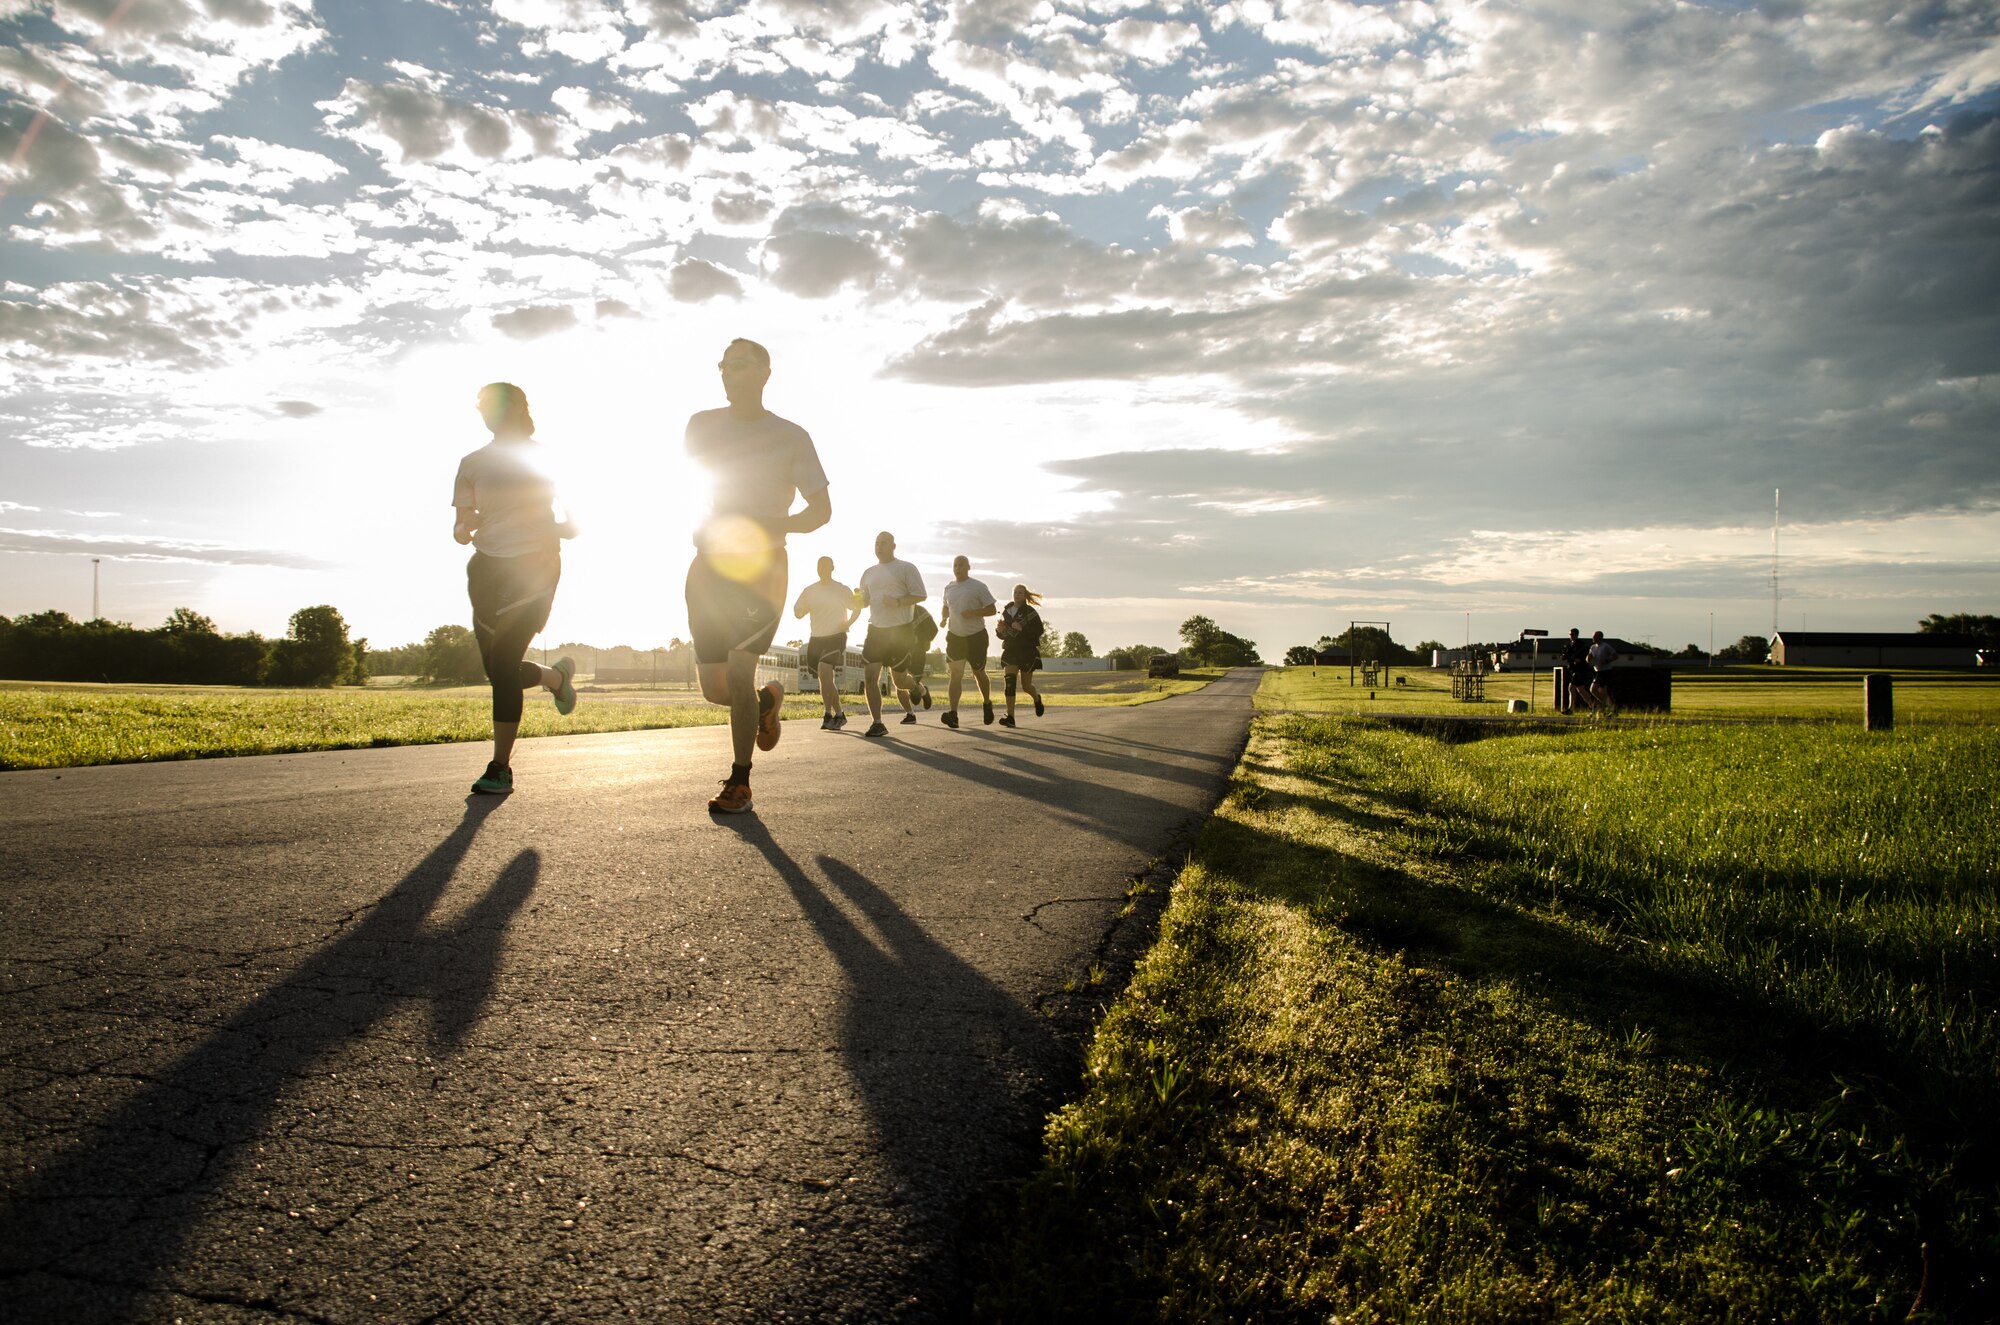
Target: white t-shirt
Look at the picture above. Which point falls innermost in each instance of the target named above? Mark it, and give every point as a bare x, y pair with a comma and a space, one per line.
510, 485
826, 603
758, 464
891, 579
1601, 654
965, 601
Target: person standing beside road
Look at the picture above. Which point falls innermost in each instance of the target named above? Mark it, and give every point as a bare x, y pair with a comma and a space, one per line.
891, 589
1576, 672
737, 580
967, 604
1020, 632
1602, 654
505, 503
831, 606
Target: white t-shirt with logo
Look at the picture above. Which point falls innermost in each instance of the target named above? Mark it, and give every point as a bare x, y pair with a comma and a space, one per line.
891, 579
826, 603
965, 602
758, 465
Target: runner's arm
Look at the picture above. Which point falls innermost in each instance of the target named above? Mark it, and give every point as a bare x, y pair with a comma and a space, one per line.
466, 524
817, 511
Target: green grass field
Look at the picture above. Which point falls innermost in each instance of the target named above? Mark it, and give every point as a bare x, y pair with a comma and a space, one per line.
62, 725
1658, 1022
1799, 693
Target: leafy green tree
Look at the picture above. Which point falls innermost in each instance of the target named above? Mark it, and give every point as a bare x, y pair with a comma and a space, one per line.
1075, 645
1051, 645
1750, 648
1427, 649
1232, 651
1985, 629
315, 650
187, 621
451, 653
1299, 655
1199, 635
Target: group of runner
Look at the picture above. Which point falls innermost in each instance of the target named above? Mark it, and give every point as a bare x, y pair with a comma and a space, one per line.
1584, 665
506, 507
900, 631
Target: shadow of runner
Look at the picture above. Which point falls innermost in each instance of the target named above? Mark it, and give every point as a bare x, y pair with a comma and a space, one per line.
95, 1233
955, 1073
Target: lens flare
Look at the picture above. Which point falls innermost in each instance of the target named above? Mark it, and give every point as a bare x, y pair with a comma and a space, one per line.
738, 547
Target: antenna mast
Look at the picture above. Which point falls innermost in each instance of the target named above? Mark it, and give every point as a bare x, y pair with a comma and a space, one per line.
1774, 562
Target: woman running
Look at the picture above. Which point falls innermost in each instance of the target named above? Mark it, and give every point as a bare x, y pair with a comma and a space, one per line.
1020, 632
506, 510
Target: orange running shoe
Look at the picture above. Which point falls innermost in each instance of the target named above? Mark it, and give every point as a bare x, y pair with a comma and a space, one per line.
734, 799
768, 719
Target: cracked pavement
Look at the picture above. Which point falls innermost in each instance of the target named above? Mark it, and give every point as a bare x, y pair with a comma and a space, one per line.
320, 1038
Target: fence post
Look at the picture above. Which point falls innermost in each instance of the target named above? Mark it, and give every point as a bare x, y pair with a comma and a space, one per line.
1878, 703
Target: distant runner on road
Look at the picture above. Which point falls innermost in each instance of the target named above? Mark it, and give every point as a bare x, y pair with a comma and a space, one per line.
831, 606
967, 604
1020, 632
505, 503
891, 589
736, 583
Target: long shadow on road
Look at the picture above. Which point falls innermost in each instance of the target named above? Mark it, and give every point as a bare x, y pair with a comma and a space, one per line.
98, 1231
955, 1073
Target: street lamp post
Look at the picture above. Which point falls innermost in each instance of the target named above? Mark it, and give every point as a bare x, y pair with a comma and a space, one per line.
1535, 663
94, 613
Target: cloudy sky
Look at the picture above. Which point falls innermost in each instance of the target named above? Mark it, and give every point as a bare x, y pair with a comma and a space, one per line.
1466, 316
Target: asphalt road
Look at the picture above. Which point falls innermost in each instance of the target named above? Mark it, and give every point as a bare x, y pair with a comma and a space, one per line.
318, 1038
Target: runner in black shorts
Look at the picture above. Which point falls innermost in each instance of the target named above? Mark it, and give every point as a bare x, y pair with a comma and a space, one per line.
736, 584
967, 604
891, 589
506, 509
830, 604
1020, 632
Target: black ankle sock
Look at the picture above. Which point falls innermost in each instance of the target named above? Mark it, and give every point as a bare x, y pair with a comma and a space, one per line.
740, 773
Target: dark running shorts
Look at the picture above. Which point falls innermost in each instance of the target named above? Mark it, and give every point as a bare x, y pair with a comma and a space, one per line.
826, 648
512, 594
725, 615
1022, 656
969, 648
890, 646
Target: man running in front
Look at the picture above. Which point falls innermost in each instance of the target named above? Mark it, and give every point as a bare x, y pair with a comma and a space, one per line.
736, 584
891, 589
967, 604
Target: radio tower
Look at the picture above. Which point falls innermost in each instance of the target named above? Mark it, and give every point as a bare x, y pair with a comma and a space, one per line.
1774, 563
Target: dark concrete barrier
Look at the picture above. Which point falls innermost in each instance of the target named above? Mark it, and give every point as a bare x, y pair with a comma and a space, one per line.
1878, 702
1641, 689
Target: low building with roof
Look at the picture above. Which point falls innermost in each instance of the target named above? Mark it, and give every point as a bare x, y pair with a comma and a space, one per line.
1850, 648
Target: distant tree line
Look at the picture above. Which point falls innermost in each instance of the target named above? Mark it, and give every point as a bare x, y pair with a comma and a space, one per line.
187, 649
1205, 644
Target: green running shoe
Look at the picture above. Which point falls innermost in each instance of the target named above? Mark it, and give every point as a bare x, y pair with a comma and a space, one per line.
566, 692
495, 781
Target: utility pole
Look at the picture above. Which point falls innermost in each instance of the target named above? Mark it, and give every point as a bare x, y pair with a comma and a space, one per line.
1774, 564
94, 613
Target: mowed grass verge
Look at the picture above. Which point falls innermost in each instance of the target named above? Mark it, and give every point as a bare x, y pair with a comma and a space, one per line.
71, 724
1655, 1023
1742, 692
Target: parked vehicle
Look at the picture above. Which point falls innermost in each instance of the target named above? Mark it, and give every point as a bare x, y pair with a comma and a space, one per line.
1164, 664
